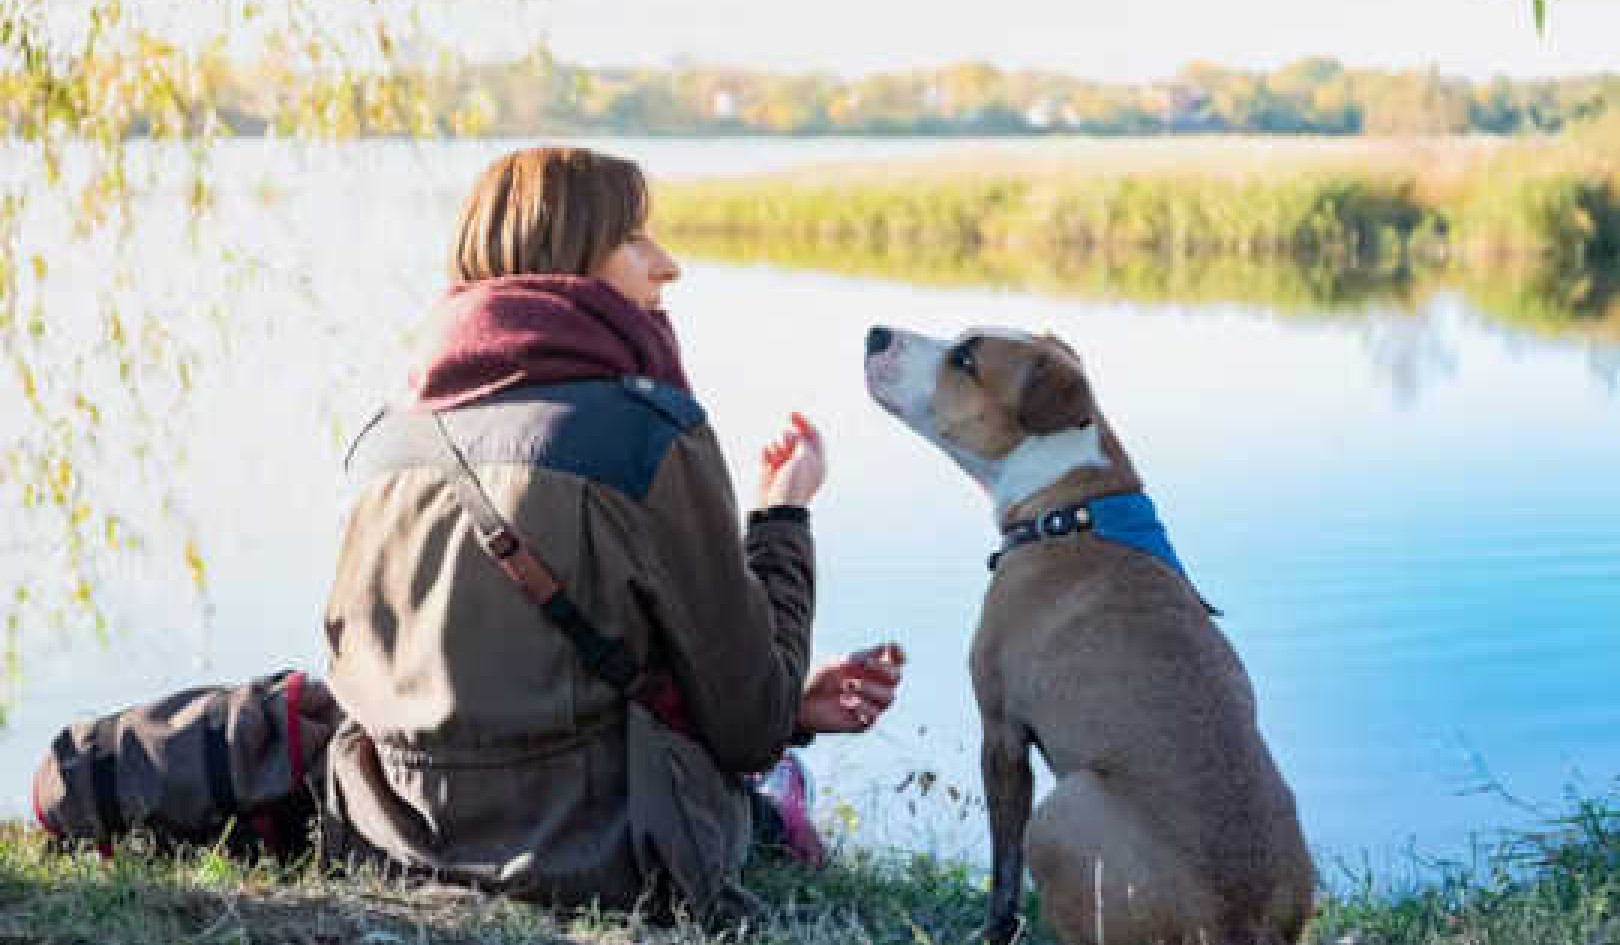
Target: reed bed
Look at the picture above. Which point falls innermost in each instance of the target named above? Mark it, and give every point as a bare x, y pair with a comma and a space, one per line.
1555, 199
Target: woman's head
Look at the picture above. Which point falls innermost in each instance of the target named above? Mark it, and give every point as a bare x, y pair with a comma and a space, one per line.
561, 210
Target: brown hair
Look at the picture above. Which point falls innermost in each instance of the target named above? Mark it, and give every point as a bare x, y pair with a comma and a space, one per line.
545, 210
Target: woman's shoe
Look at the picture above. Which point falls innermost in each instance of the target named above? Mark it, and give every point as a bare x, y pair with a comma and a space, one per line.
788, 788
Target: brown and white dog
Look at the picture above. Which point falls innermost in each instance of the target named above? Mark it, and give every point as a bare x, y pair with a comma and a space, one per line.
1169, 821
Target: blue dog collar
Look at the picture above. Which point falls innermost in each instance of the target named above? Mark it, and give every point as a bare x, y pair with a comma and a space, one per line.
1127, 519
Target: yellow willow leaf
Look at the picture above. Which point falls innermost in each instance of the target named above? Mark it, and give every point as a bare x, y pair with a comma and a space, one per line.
25, 376
113, 541
81, 591
30, 497
115, 329
197, 199
39, 266
88, 407
194, 563
62, 476
79, 514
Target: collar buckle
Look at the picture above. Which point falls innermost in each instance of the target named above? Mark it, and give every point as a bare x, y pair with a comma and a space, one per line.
1053, 524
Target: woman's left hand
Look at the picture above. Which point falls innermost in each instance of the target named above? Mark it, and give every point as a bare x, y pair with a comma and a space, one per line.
793, 467
849, 693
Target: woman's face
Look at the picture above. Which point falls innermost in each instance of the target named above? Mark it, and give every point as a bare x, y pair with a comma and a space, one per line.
638, 268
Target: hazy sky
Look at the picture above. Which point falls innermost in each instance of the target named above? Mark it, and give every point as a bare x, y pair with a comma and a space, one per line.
1124, 40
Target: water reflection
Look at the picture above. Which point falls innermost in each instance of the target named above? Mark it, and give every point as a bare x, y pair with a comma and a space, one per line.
1547, 299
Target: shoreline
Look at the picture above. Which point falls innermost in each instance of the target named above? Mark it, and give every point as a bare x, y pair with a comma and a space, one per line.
1556, 885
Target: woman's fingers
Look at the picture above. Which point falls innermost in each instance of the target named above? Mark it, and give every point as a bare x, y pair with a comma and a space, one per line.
859, 713
803, 427
776, 452
885, 663
890, 655
878, 693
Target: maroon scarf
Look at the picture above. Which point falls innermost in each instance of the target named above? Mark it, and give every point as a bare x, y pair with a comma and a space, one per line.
518, 330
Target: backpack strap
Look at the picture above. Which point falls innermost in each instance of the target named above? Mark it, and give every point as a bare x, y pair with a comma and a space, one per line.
609, 659
103, 771
217, 756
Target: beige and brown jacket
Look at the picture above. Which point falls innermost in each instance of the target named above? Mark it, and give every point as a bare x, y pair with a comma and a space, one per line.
479, 748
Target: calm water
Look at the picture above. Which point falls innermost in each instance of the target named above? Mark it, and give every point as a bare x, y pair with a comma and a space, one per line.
1410, 516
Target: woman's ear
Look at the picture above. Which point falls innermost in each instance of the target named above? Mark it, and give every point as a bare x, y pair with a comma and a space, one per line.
1054, 395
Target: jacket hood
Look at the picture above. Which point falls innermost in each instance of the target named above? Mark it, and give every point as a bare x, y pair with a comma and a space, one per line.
541, 329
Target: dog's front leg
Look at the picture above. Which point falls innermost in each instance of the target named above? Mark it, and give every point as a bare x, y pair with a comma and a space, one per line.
1004, 763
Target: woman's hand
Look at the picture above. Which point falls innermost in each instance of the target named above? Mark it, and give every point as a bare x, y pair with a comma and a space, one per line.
793, 467
849, 693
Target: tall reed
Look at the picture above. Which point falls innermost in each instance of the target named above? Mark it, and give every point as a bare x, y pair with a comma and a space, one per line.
1554, 201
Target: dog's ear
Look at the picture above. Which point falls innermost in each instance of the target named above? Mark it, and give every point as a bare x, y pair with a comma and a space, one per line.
1054, 395
1048, 338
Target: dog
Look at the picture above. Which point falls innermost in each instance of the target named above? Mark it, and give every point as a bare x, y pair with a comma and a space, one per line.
1169, 821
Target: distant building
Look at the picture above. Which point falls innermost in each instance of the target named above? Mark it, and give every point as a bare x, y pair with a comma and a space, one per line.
1180, 107
1042, 114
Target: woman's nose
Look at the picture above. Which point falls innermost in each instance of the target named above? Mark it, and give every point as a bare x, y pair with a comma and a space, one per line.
665, 268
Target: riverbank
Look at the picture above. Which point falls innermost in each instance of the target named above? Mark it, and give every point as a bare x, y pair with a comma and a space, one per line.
1434, 202
1555, 886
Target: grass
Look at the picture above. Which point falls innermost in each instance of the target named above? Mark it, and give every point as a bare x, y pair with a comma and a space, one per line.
203, 896
1459, 207
1559, 885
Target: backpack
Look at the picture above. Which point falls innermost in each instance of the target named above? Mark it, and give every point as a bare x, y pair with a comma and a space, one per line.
216, 764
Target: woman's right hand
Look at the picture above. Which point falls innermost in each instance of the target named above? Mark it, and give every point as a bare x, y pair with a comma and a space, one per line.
793, 466
849, 693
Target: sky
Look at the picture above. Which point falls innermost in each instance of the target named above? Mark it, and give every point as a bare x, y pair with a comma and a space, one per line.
1119, 40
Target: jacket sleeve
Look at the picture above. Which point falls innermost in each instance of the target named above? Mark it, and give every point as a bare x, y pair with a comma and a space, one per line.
736, 615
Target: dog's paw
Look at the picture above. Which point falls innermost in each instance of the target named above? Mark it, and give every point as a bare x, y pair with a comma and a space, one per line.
1009, 931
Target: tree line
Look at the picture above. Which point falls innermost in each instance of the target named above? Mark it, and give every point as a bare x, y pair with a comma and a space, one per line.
540, 94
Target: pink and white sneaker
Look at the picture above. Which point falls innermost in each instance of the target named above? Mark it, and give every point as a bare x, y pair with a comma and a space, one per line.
788, 788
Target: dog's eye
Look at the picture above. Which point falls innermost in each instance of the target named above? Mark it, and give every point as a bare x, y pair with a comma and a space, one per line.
961, 358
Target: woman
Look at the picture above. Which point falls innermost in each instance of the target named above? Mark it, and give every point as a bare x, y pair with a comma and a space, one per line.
480, 748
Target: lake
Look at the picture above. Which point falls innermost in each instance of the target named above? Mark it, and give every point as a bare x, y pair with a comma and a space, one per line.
1408, 511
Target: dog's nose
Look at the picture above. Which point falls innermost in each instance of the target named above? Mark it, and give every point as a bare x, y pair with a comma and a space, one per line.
878, 339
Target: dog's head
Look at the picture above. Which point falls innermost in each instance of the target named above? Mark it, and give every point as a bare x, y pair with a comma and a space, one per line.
1014, 410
